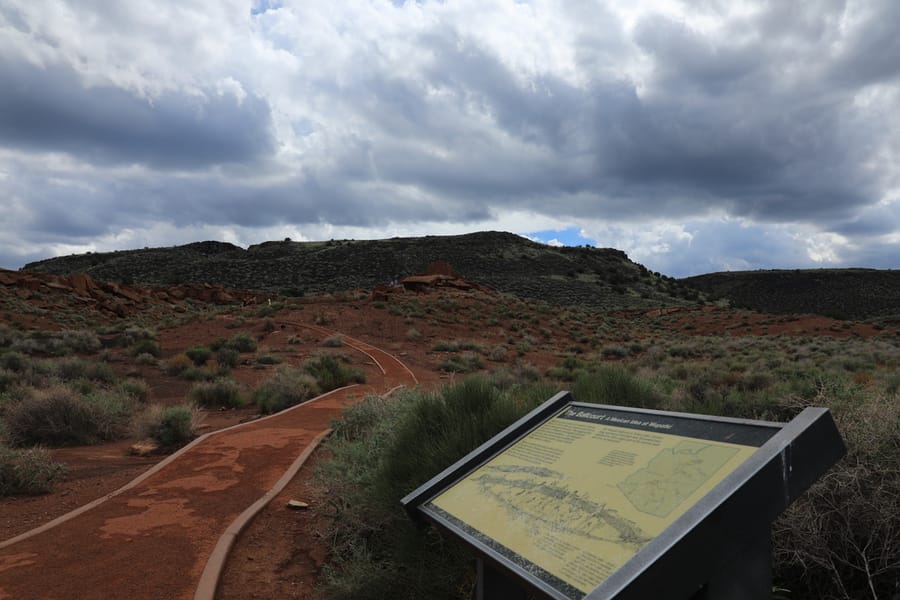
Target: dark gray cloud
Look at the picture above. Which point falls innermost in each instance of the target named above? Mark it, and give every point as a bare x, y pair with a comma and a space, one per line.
51, 109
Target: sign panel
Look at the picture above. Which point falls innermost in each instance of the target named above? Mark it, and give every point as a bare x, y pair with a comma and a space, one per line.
575, 498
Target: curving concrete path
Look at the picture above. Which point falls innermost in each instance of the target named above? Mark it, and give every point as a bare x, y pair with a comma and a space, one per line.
165, 535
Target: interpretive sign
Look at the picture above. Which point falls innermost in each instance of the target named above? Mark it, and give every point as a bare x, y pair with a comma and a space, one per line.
579, 500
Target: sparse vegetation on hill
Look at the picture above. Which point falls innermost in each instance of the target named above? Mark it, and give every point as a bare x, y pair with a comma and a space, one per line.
598, 277
838, 293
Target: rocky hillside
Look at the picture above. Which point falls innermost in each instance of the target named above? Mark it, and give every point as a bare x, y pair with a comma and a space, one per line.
840, 293
599, 277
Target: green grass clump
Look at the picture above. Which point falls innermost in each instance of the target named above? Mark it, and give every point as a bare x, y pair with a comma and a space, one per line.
222, 392
287, 387
382, 450
27, 471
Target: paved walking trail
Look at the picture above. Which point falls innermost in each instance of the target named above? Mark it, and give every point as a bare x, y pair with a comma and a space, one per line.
154, 538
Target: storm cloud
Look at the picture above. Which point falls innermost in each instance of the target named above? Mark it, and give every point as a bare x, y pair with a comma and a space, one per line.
694, 136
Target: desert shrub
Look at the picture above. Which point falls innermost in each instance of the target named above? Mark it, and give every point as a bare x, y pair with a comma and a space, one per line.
613, 352
219, 392
7, 335
616, 385
268, 310
193, 373
74, 368
171, 426
466, 362
15, 362
199, 355
228, 358
445, 346
413, 334
58, 343
287, 387
384, 449
498, 353
70, 369
267, 359
145, 359
27, 471
8, 380
136, 389
177, 364
841, 539
331, 372
333, 341
59, 416
134, 334
242, 342
82, 341
568, 369
892, 384
146, 346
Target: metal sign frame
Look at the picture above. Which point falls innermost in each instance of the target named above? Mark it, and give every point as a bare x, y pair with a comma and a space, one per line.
715, 536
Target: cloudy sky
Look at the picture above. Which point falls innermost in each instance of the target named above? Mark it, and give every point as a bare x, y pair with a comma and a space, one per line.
698, 136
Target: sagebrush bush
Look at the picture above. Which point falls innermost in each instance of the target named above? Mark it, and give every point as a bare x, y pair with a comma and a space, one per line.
27, 471
136, 389
71, 369
333, 341
59, 416
467, 362
228, 358
146, 346
170, 426
58, 343
242, 342
267, 359
199, 355
15, 362
222, 392
287, 387
618, 386
331, 372
177, 364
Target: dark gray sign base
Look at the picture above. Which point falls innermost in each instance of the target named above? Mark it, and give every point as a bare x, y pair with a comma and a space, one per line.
492, 585
747, 576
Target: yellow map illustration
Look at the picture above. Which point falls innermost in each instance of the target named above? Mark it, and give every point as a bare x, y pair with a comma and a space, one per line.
673, 475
